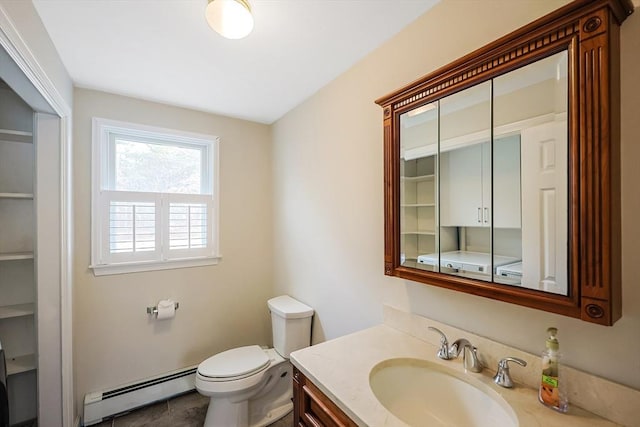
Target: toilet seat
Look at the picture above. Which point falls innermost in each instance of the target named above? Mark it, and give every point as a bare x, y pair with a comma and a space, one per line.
210, 386
234, 364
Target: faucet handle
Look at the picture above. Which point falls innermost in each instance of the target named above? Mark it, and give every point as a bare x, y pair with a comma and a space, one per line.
443, 351
470, 359
502, 377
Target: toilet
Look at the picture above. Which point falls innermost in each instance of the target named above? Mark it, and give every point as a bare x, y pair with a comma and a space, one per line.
251, 386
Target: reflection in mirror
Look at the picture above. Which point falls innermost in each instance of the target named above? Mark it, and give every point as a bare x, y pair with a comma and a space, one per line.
490, 203
465, 183
418, 183
530, 105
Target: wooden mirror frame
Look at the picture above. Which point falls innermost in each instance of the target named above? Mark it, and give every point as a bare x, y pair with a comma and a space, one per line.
589, 31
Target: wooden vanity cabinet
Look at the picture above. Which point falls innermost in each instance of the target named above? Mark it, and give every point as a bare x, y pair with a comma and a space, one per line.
312, 408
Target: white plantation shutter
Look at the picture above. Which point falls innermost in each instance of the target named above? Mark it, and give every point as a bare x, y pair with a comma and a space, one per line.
187, 226
130, 229
142, 226
154, 198
190, 225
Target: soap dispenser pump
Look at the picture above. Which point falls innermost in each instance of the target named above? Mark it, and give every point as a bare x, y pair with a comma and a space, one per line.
552, 391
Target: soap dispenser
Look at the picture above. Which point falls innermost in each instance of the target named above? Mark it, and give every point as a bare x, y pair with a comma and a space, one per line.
552, 390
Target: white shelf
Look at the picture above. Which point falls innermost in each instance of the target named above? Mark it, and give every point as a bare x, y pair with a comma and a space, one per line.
8, 135
418, 205
12, 256
17, 310
19, 364
25, 196
417, 178
423, 233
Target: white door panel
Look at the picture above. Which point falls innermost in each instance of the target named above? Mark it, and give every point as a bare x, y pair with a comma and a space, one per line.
544, 207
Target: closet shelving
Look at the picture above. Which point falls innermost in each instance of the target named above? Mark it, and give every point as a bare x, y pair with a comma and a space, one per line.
14, 256
8, 135
417, 206
20, 364
26, 196
18, 308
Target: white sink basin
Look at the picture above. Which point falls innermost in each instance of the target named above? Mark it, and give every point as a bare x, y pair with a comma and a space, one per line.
421, 393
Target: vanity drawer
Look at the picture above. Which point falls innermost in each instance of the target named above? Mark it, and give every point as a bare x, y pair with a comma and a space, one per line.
312, 408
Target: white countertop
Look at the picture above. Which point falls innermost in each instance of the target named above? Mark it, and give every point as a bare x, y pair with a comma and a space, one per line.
341, 368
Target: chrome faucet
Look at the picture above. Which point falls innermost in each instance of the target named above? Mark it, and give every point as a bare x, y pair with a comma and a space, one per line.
471, 362
469, 354
443, 351
502, 377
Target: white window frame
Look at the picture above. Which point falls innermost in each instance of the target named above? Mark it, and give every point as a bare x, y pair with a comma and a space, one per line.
103, 262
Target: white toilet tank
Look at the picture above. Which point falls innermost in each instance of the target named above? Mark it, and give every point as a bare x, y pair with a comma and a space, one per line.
290, 324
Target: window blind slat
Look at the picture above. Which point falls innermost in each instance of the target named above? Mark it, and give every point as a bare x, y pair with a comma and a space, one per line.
187, 226
132, 226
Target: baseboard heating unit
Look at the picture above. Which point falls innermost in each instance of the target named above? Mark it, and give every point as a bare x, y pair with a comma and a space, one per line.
107, 403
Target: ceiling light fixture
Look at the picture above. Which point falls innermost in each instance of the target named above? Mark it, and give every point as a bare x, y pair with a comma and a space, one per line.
230, 18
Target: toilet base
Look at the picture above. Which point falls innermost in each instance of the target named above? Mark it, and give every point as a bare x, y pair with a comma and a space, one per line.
259, 407
229, 414
224, 413
273, 415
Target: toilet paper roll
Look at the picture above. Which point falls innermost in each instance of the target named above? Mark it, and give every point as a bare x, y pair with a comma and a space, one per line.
166, 309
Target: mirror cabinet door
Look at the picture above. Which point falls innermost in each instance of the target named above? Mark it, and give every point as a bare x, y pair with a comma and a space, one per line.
502, 169
418, 185
531, 164
465, 183
466, 161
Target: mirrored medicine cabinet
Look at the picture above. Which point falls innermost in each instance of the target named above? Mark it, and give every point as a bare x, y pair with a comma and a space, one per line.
502, 169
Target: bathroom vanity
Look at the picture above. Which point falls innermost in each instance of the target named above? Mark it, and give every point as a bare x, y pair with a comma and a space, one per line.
312, 407
333, 381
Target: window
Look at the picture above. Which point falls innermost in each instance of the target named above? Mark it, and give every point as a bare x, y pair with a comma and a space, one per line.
154, 198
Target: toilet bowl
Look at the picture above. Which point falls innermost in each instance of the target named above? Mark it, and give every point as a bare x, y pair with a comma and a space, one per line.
237, 381
251, 386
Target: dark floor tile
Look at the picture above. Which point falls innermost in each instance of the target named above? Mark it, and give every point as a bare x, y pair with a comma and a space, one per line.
148, 416
286, 421
188, 410
188, 401
166, 421
188, 420
189, 416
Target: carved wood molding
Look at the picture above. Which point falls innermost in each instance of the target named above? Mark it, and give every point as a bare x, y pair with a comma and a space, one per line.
556, 26
495, 64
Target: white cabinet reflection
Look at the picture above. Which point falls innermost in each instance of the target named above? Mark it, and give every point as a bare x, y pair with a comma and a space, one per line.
483, 188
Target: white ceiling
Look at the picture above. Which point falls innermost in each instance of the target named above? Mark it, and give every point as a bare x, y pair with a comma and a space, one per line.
163, 50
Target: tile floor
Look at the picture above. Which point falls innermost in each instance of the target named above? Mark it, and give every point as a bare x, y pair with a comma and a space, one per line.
187, 410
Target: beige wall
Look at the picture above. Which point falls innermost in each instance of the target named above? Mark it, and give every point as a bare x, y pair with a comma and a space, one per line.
221, 306
328, 198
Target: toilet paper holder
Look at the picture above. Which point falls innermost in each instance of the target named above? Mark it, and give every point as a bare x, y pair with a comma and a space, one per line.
154, 309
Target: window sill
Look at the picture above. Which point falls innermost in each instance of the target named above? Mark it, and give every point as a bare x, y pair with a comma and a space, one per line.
137, 267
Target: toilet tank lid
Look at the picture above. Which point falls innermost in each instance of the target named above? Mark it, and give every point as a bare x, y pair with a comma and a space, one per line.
289, 308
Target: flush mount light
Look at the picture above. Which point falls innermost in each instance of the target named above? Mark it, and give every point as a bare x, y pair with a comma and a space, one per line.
230, 18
